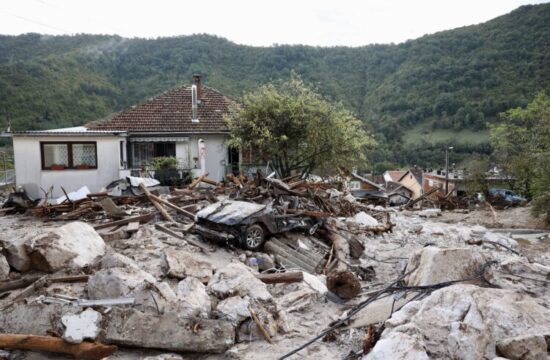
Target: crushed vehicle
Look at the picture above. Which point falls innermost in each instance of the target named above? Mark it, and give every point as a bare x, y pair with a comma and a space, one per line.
505, 196
248, 224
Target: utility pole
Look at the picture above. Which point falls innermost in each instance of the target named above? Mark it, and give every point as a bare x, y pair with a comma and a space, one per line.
447, 169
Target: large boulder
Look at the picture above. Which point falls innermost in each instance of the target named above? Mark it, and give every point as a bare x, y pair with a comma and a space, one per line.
435, 265
237, 279
117, 282
4, 268
234, 309
192, 298
74, 245
525, 347
460, 322
180, 264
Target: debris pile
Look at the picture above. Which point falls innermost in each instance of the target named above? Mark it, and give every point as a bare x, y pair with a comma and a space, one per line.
224, 268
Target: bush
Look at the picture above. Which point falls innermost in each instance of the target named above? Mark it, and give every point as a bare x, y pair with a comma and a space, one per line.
164, 162
541, 207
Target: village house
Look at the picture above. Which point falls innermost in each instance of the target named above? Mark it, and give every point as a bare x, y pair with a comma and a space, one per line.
186, 123
363, 188
412, 180
393, 175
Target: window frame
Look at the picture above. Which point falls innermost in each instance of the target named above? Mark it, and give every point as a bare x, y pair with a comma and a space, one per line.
69, 154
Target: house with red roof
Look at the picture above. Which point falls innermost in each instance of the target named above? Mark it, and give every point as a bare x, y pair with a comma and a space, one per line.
186, 123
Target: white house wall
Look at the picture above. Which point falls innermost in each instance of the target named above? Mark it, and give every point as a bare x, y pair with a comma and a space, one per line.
216, 154
29, 173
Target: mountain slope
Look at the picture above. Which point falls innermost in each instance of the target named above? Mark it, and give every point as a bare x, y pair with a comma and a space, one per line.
453, 80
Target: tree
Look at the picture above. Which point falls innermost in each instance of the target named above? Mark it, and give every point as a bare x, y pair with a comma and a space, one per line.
522, 144
297, 129
476, 175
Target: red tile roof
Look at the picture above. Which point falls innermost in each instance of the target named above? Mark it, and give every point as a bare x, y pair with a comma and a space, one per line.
171, 112
395, 175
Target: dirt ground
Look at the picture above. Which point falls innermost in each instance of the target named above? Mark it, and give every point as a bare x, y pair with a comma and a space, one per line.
513, 218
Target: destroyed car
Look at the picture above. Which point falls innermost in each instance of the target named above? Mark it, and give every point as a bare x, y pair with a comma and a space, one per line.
507, 196
247, 224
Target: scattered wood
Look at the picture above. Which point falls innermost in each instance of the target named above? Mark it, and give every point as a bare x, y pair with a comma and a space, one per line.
159, 207
174, 207
140, 218
197, 181
84, 350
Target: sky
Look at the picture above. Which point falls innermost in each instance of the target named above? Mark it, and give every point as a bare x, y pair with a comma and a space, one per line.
253, 22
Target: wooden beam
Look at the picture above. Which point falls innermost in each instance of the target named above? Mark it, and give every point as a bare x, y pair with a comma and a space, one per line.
286, 277
84, 350
174, 207
197, 181
140, 218
159, 207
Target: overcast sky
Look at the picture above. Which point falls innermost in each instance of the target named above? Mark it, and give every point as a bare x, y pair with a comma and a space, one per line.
253, 22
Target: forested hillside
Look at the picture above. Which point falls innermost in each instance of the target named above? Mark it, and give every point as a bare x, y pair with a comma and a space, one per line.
415, 96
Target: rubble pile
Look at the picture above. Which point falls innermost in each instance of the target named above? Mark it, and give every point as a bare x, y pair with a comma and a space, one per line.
263, 268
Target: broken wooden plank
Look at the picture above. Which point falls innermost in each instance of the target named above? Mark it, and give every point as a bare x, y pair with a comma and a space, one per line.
140, 218
211, 182
262, 329
197, 181
84, 350
157, 205
286, 277
178, 236
174, 207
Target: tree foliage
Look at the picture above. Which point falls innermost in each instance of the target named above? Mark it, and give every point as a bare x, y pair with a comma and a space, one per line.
522, 144
297, 129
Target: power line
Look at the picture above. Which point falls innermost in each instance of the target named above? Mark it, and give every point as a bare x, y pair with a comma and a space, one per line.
35, 22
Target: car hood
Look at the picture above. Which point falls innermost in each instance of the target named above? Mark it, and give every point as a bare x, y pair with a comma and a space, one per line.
229, 212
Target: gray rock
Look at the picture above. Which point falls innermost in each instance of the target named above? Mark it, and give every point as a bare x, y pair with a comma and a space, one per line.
117, 282
237, 279
526, 347
74, 245
16, 254
193, 299
435, 265
180, 264
234, 309
264, 261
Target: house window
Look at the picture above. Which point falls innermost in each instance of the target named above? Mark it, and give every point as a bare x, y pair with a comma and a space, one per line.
68, 155
144, 152
354, 185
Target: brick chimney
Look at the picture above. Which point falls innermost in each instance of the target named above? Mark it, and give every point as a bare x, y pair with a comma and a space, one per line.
197, 83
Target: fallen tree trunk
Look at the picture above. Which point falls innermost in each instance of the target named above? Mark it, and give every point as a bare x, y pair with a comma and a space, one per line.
340, 280
84, 350
286, 277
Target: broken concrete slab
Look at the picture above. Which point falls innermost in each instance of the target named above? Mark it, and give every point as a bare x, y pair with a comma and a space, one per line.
234, 309
434, 265
193, 299
4, 268
74, 245
525, 347
364, 219
85, 325
298, 300
462, 322
237, 279
500, 239
117, 282
180, 264
169, 331
34, 318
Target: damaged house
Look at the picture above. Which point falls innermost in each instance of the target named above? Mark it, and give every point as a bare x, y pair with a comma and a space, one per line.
186, 123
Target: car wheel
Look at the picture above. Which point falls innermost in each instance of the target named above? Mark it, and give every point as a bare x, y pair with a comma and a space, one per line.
254, 237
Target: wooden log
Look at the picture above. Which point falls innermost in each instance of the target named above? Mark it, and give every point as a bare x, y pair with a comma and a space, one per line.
340, 280
286, 277
178, 236
197, 181
140, 218
84, 350
174, 207
159, 207
5, 210
98, 194
211, 182
235, 180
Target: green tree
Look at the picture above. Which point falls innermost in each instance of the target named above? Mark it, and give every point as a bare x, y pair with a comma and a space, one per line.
522, 144
476, 175
297, 129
